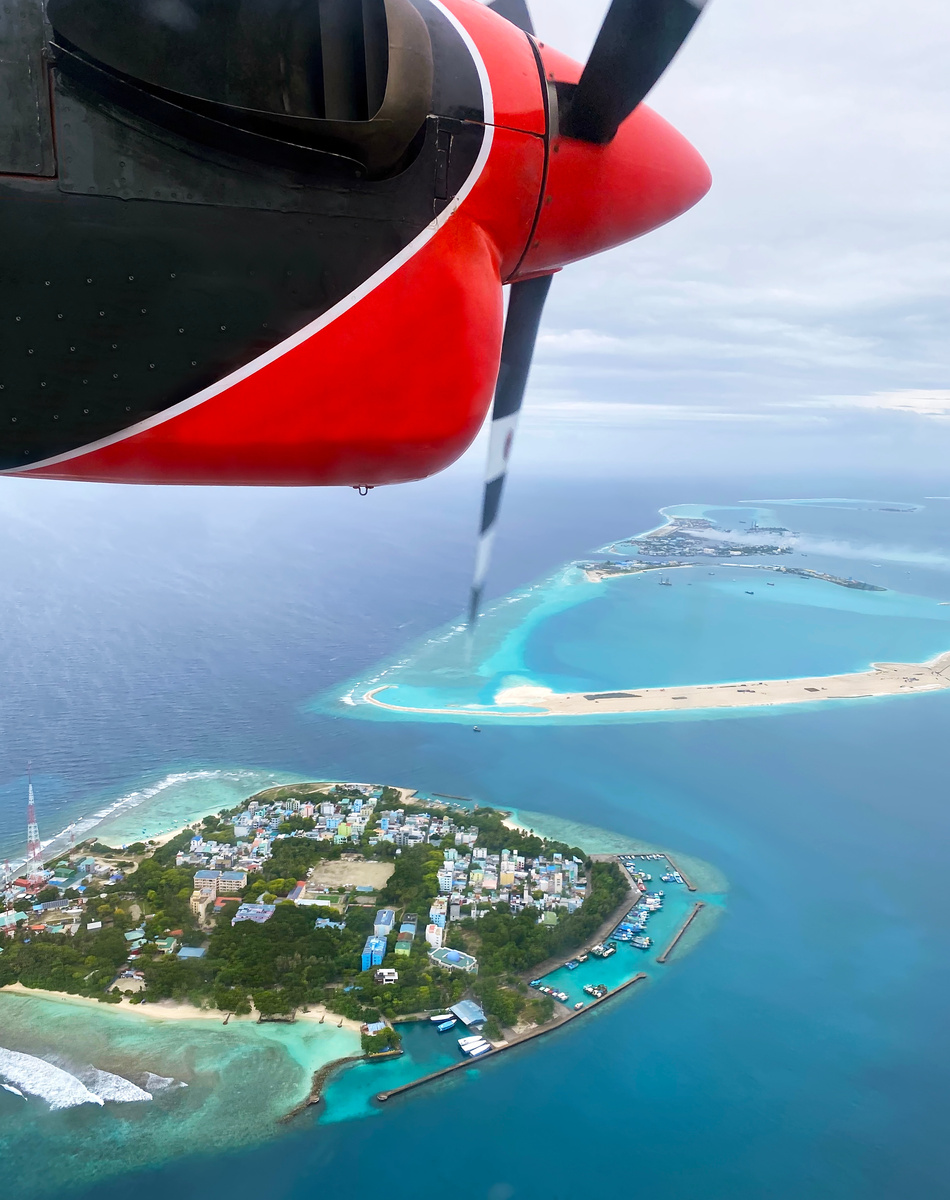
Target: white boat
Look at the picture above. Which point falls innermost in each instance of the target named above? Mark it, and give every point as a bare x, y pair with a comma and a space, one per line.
465, 1042
437, 1020
478, 1051
15, 1090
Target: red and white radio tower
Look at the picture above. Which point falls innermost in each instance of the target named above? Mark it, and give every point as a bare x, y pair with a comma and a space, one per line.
34, 851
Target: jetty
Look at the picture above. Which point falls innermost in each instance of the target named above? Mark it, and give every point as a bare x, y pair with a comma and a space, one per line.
317, 1084
700, 904
520, 1040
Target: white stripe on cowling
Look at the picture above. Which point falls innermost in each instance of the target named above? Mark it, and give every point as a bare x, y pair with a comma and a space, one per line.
342, 306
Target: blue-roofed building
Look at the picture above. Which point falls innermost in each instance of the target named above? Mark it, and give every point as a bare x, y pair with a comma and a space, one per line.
191, 952
385, 920
468, 1013
373, 952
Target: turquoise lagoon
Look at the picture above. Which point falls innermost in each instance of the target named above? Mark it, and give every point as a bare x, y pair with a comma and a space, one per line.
718, 622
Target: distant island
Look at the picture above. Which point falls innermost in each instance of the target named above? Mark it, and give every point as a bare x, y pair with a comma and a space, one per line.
699, 538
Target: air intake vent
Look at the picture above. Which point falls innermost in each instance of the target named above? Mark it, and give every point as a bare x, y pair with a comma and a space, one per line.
354, 73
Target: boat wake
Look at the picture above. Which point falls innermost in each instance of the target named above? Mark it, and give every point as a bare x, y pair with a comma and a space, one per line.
27, 1075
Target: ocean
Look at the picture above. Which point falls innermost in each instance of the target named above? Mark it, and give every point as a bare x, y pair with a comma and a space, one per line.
189, 644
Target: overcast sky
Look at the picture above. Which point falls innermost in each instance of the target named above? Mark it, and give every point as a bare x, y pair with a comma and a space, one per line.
801, 308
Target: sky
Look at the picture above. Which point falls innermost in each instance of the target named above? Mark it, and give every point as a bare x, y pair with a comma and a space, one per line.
799, 312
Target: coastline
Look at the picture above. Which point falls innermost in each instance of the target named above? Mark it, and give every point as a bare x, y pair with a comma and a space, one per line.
883, 679
174, 1010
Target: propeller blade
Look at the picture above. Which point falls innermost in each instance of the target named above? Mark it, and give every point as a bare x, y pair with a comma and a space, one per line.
521, 331
515, 11
636, 44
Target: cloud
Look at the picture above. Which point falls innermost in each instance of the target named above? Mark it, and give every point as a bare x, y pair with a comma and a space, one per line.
922, 402
816, 273
594, 412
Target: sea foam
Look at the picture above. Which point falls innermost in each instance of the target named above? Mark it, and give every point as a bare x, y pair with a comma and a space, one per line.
39, 1078
107, 1086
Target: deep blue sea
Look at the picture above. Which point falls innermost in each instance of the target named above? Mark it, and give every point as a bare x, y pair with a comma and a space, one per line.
801, 1048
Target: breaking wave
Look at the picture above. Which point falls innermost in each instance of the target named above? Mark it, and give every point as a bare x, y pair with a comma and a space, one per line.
107, 1086
36, 1077
61, 1088
161, 1083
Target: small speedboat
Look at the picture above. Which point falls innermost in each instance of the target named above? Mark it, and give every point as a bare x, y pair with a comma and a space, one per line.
8, 1087
440, 1017
446, 1025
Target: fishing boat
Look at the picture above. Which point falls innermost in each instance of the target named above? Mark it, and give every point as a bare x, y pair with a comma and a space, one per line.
609, 949
572, 965
579, 1005
582, 958
446, 1025
642, 943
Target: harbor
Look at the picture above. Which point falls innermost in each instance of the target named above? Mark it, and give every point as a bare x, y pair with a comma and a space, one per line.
661, 907
520, 1040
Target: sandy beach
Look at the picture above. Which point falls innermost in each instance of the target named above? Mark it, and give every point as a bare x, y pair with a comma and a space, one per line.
883, 679
173, 1010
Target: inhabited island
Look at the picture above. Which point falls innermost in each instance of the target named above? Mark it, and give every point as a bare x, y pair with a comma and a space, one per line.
360, 902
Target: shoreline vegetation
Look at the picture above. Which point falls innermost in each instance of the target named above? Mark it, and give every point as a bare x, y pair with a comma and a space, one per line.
883, 679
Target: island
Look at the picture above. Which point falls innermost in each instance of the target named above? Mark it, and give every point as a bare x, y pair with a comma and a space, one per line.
357, 902
883, 679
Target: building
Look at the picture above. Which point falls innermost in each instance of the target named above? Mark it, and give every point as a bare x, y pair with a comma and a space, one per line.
231, 882
201, 900
191, 952
468, 1013
10, 919
434, 935
385, 920
258, 913
386, 975
454, 960
373, 952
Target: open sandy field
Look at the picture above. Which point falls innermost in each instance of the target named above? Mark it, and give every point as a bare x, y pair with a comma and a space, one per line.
345, 873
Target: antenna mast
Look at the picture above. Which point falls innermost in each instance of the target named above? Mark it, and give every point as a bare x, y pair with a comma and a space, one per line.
35, 878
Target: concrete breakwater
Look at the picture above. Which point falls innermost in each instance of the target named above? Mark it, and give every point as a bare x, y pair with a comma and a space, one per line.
382, 1097
318, 1083
697, 907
